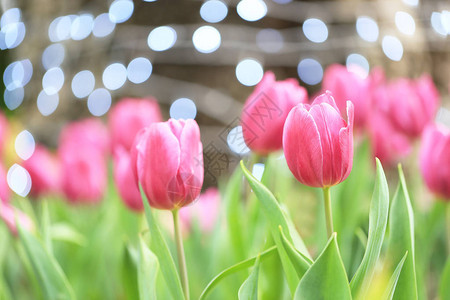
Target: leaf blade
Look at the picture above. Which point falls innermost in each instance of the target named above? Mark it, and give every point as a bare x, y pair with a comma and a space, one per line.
249, 289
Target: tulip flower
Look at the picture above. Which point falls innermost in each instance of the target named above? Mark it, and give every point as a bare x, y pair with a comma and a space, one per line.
265, 112
318, 146
169, 163
125, 180
129, 116
205, 210
43, 168
168, 158
435, 159
5, 192
347, 85
10, 215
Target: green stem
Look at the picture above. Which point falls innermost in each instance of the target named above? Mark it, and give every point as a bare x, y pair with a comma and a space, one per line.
447, 225
328, 213
180, 253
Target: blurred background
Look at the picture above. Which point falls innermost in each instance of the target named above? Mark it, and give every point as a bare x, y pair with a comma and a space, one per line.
67, 60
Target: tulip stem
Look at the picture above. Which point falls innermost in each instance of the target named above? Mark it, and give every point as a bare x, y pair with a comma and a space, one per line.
180, 253
447, 219
328, 213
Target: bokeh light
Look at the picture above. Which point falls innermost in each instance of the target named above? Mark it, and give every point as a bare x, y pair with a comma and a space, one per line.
405, 23
10, 16
139, 70
310, 71
411, 2
63, 28
82, 27
270, 40
53, 81
121, 10
53, 56
83, 83
236, 142
213, 11
47, 104
114, 76
315, 30
437, 24
358, 64
206, 39
19, 180
17, 74
103, 26
249, 72
392, 48
13, 34
251, 10
13, 98
258, 170
162, 38
183, 108
99, 102
367, 29
24, 144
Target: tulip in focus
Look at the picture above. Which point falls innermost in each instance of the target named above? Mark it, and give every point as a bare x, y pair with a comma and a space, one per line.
10, 215
318, 142
43, 168
125, 180
435, 159
129, 116
168, 159
346, 86
205, 210
265, 112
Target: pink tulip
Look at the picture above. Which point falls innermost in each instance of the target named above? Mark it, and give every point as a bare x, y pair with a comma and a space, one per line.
265, 112
346, 85
129, 116
125, 180
5, 192
4, 129
169, 163
435, 159
89, 133
82, 154
43, 168
10, 215
205, 210
318, 143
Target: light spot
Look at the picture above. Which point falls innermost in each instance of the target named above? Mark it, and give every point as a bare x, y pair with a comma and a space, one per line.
47, 104
24, 145
82, 27
315, 30
249, 72
103, 26
114, 76
139, 70
13, 98
206, 39
83, 84
10, 16
19, 180
236, 142
13, 34
162, 38
17, 74
310, 71
392, 48
367, 29
53, 56
53, 80
213, 11
258, 171
183, 108
358, 64
405, 23
251, 10
121, 10
99, 102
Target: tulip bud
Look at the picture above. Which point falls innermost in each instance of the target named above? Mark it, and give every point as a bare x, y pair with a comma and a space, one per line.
435, 159
169, 163
318, 143
346, 85
5, 192
10, 215
205, 210
43, 168
265, 112
125, 180
129, 116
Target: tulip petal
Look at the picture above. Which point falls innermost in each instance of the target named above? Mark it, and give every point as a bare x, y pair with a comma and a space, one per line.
162, 161
302, 147
346, 143
326, 98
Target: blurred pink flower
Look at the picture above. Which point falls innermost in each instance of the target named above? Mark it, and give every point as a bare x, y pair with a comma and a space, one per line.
4, 128
129, 116
265, 112
205, 211
10, 214
318, 142
43, 167
5, 192
125, 180
348, 86
435, 159
169, 163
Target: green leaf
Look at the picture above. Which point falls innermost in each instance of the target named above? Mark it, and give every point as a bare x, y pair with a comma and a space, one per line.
47, 270
326, 279
276, 218
379, 210
160, 248
65, 232
401, 239
148, 268
129, 273
444, 290
390, 289
249, 289
235, 268
300, 262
